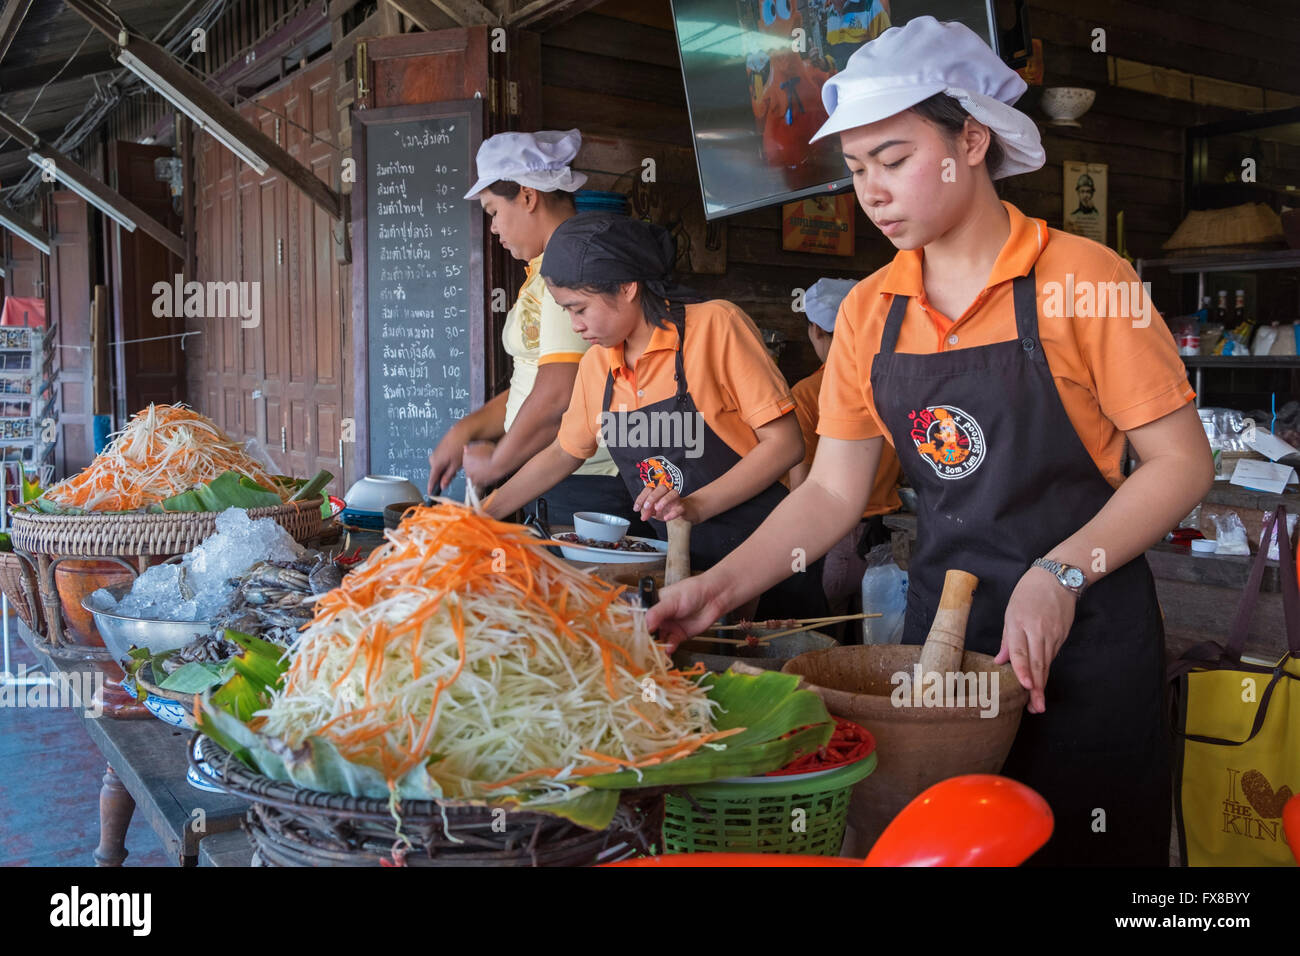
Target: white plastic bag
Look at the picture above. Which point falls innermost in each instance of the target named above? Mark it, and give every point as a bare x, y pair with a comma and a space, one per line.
255, 450
1231, 535
884, 592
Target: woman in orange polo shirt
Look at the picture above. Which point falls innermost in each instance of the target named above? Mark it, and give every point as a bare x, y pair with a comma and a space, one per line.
1009, 408
683, 394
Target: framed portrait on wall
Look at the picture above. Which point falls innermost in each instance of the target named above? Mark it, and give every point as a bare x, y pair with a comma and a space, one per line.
1084, 195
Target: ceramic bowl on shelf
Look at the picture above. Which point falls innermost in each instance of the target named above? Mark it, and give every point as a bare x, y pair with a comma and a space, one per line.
1065, 104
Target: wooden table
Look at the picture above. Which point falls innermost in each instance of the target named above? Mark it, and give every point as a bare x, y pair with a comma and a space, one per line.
231, 848
147, 763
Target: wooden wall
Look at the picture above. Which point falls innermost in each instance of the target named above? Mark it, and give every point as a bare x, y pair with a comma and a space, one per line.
282, 382
614, 73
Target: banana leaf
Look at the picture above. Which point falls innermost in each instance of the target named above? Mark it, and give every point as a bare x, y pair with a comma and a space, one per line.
780, 724
230, 489
768, 706
193, 677
46, 506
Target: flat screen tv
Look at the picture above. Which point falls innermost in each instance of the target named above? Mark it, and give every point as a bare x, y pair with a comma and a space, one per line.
755, 100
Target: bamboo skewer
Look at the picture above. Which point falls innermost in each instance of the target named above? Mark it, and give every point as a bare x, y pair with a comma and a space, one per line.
801, 621
807, 625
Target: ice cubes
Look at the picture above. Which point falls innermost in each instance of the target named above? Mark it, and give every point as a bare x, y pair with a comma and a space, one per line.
195, 588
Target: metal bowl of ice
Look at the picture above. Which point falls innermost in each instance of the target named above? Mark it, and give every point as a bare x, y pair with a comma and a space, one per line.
121, 632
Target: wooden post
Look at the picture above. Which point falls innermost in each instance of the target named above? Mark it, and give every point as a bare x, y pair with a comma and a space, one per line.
115, 808
99, 364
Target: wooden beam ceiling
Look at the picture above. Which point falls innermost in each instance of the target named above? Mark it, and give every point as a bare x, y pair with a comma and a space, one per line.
67, 171
161, 63
468, 13
16, 79
11, 20
544, 14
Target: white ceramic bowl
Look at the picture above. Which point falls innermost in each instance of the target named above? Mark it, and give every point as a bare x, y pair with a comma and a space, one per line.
1065, 104
596, 526
590, 554
376, 492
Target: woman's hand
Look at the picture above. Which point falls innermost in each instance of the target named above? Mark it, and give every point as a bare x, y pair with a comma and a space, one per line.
1037, 622
446, 459
664, 504
478, 464
685, 610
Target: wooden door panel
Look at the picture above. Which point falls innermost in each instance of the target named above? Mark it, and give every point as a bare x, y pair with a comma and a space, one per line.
70, 307
294, 357
26, 276
230, 406
154, 370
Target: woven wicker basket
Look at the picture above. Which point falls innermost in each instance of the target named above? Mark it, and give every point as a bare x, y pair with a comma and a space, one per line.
291, 826
18, 581
1248, 225
134, 535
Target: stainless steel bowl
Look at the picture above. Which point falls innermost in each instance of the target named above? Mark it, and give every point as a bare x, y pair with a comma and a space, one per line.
120, 632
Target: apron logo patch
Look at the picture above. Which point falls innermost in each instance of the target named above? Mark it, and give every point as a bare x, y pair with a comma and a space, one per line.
949, 439
658, 471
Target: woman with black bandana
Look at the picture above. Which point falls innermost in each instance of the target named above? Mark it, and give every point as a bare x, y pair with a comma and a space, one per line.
681, 391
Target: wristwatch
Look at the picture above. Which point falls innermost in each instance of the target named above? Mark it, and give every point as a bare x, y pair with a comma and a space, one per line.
1071, 578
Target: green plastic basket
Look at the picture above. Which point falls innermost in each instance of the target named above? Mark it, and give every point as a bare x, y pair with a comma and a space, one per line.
764, 817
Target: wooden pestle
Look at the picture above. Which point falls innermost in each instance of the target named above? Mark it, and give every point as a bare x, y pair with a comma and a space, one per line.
677, 566
946, 642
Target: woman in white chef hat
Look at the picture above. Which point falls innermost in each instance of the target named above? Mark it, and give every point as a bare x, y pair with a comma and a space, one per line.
526, 187
1009, 410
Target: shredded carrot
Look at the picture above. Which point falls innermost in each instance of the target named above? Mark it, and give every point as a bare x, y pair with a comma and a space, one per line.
163, 451
463, 649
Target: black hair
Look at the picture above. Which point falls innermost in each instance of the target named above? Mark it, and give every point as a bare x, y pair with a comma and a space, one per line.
946, 113
655, 309
507, 189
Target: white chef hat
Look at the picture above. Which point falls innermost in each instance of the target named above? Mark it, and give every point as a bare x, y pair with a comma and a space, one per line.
911, 63
821, 303
540, 160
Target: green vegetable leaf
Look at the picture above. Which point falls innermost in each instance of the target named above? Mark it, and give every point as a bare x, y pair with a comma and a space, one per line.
192, 678
768, 706
230, 489
587, 808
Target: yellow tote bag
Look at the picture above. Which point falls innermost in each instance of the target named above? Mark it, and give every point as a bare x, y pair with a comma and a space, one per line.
1237, 735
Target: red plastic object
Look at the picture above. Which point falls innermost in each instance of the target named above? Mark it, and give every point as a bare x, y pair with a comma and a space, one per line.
1291, 825
21, 310
337, 505
973, 820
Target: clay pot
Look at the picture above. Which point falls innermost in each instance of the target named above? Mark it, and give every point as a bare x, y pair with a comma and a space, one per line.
917, 746
74, 580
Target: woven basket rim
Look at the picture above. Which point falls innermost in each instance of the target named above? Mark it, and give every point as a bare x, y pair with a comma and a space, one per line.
236, 777
180, 517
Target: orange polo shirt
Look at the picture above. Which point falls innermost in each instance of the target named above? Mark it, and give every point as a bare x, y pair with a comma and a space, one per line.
734, 382
1114, 372
884, 496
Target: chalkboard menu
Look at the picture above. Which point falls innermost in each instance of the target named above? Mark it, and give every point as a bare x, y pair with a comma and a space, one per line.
422, 293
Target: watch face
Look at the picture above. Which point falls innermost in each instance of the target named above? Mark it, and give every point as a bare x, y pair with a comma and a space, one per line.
1074, 577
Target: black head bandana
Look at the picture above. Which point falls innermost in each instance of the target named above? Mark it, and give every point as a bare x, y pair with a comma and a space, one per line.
595, 248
